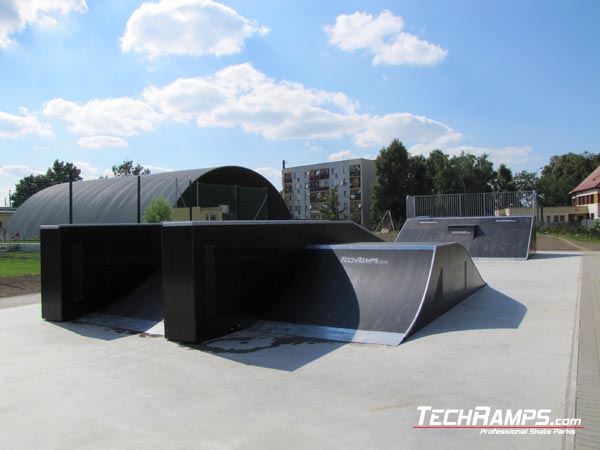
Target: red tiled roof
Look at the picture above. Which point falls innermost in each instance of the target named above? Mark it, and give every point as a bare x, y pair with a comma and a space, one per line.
591, 182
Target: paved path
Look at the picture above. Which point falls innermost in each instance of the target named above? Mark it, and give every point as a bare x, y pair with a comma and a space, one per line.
588, 373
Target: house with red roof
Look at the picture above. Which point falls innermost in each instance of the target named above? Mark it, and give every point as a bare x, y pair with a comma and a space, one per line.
587, 194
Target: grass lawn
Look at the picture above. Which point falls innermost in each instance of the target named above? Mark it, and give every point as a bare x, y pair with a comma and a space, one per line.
14, 264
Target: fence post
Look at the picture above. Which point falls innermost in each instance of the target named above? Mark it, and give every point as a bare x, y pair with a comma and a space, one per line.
191, 205
139, 202
70, 199
235, 201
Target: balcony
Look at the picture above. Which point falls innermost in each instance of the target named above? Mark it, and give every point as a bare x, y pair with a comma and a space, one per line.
320, 174
355, 171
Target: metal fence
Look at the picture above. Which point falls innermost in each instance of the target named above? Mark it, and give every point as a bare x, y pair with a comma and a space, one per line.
522, 203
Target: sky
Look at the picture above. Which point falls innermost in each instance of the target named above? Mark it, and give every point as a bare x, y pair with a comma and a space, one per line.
180, 84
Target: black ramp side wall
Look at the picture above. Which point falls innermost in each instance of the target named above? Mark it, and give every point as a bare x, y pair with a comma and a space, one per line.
87, 268
483, 237
220, 277
453, 278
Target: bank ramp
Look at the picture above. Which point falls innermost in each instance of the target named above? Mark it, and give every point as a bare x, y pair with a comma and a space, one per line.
483, 237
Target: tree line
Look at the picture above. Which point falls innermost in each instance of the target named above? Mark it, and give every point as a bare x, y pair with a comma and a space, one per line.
63, 172
398, 174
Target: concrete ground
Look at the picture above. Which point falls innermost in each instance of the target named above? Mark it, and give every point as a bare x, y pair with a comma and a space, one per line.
510, 345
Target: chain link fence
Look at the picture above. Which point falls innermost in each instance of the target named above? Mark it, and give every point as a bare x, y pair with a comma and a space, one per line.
522, 203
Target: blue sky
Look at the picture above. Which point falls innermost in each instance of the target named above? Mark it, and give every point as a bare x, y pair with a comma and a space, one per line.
177, 84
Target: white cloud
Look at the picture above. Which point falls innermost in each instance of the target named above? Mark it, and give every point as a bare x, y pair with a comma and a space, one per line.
88, 171
115, 116
510, 155
242, 96
342, 155
382, 36
16, 15
157, 169
15, 127
187, 27
273, 175
409, 128
312, 147
187, 98
101, 142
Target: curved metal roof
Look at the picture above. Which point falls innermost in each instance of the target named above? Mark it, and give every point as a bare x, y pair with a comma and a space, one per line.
114, 200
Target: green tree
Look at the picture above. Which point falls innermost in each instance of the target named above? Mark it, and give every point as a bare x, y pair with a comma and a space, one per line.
159, 210
63, 172
127, 169
461, 173
392, 182
563, 173
331, 210
526, 181
59, 172
442, 173
504, 179
472, 173
28, 186
420, 181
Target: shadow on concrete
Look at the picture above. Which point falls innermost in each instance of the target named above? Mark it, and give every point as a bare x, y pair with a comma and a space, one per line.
485, 309
272, 351
94, 331
554, 255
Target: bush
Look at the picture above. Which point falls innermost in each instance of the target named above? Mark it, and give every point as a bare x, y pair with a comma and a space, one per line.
159, 210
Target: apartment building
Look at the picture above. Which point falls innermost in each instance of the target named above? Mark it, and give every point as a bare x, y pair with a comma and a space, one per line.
306, 188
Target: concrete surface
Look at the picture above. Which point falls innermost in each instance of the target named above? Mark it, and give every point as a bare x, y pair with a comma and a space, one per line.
73, 386
588, 363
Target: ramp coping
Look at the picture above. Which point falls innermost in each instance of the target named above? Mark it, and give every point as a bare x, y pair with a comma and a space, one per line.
377, 246
412, 324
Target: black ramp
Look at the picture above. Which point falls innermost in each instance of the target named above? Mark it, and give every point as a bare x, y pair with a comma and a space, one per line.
374, 293
139, 310
108, 275
483, 237
220, 277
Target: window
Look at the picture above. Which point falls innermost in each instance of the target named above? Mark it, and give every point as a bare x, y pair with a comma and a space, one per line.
548, 219
210, 216
556, 218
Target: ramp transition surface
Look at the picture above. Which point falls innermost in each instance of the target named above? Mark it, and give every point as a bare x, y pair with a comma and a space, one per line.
373, 293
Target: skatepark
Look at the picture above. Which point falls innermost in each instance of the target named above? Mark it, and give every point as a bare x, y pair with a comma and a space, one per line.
286, 334
512, 344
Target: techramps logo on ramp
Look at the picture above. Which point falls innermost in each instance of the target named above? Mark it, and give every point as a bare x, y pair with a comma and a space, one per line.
362, 260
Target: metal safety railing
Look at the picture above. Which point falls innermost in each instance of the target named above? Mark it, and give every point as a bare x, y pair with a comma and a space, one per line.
521, 203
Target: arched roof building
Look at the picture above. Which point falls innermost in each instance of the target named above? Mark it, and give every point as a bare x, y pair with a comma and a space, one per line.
114, 200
